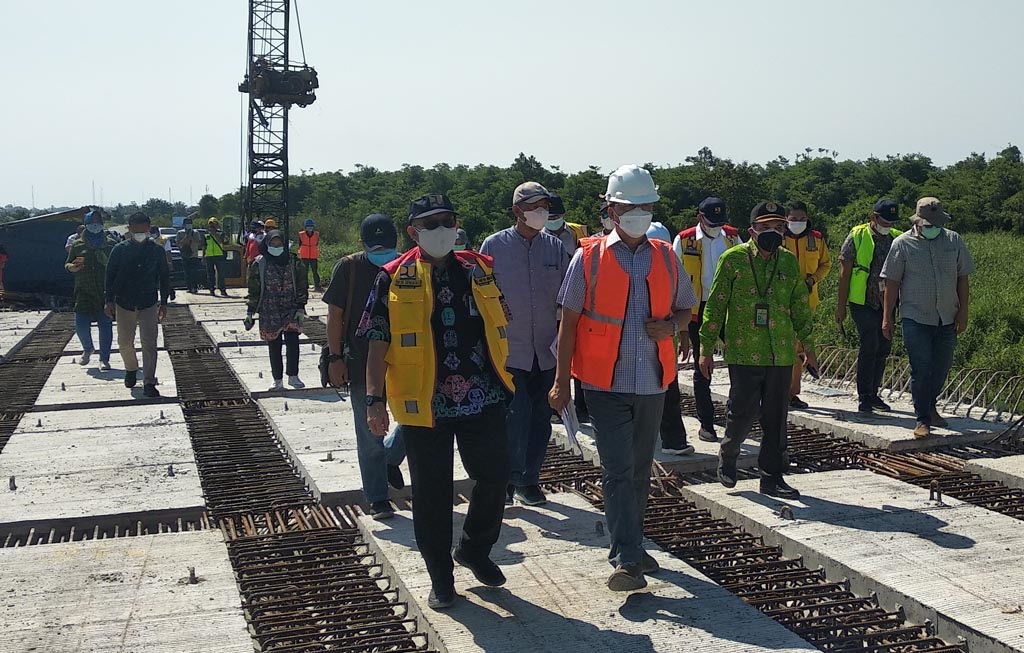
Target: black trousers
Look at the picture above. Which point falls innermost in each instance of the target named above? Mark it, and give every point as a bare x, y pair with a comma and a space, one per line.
193, 272
758, 391
215, 273
289, 339
314, 267
701, 385
484, 452
673, 433
874, 349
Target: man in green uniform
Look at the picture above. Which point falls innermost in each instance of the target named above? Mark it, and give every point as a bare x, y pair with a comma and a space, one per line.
759, 296
87, 260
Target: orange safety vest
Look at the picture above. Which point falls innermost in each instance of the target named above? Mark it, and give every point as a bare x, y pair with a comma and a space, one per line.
599, 329
309, 245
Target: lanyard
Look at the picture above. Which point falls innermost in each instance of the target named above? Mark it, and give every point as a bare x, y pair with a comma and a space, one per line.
771, 277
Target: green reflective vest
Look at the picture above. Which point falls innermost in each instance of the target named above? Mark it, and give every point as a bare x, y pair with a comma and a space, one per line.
864, 244
212, 248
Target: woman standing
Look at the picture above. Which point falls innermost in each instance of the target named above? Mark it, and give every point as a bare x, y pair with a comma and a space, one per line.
278, 292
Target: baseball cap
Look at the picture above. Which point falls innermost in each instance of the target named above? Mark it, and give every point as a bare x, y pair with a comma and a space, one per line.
378, 230
529, 191
930, 210
557, 206
886, 209
430, 204
766, 212
713, 210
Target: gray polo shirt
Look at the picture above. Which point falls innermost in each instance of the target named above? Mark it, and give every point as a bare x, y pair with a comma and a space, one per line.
529, 274
927, 271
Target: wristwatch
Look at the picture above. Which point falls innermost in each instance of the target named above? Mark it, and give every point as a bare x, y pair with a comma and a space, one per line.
373, 399
332, 358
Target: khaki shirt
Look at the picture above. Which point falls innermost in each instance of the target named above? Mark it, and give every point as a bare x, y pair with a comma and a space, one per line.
927, 271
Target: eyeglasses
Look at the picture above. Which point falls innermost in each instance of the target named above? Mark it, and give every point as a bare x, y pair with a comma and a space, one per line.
433, 222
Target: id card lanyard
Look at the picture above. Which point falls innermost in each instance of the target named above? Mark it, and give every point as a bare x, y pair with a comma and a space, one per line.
761, 308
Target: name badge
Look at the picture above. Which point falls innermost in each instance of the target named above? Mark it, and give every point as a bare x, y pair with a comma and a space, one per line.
761, 315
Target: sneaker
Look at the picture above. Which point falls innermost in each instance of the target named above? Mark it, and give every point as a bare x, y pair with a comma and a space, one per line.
937, 420
798, 403
707, 435
865, 407
876, 402
130, 378
530, 495
484, 570
84, 358
678, 450
149, 390
296, 382
776, 486
510, 493
382, 510
439, 599
105, 366
648, 565
627, 578
395, 478
727, 474
922, 430
277, 386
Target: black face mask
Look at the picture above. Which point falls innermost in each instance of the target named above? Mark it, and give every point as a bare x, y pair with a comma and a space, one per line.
769, 241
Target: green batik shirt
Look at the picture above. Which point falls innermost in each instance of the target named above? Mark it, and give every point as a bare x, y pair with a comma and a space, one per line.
739, 289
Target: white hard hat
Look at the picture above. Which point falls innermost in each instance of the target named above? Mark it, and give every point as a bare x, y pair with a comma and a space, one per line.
631, 184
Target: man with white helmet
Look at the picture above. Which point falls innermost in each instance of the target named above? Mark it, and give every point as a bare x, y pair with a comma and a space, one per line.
623, 299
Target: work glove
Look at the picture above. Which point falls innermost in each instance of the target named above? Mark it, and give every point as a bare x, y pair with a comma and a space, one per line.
249, 322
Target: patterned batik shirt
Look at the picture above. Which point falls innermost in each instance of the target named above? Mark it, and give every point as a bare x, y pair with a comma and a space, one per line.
466, 381
744, 280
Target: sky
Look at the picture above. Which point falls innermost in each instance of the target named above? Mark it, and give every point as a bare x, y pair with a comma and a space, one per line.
139, 98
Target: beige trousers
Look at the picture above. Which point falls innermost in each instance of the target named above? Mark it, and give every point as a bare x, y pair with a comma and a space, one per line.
146, 321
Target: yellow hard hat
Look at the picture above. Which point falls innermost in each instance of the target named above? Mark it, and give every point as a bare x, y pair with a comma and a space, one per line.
213, 221
271, 223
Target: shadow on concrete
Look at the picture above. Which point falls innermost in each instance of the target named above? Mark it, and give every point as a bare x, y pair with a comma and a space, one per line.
897, 418
887, 519
113, 374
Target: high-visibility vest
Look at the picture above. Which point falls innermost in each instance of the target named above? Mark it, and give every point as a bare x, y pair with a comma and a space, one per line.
411, 375
812, 254
692, 257
864, 245
212, 248
599, 330
309, 245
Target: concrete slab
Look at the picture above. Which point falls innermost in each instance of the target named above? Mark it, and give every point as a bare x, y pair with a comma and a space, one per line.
835, 411
15, 326
249, 363
122, 595
1009, 470
88, 384
556, 598
958, 565
74, 345
106, 461
704, 458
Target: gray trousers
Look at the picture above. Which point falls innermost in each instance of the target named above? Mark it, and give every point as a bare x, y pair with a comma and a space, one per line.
626, 428
757, 391
146, 321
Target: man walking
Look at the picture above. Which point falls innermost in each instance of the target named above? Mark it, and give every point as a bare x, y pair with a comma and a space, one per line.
346, 296
815, 262
136, 273
215, 267
309, 249
760, 298
623, 298
190, 243
87, 260
529, 265
436, 322
699, 249
926, 272
860, 283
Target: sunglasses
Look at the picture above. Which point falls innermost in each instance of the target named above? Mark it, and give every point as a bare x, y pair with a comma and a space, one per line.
433, 222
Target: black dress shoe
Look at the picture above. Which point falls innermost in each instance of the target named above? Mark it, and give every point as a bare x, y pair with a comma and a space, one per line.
149, 390
798, 403
877, 403
776, 486
865, 407
483, 569
441, 598
131, 377
727, 474
395, 478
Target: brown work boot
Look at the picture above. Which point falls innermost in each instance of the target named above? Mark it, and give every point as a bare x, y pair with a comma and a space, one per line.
922, 430
937, 419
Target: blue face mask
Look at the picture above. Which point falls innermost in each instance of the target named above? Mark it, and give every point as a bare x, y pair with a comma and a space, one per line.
382, 257
930, 232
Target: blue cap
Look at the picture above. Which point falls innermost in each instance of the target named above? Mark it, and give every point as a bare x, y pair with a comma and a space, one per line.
308, 222
658, 231
93, 215
713, 210
887, 209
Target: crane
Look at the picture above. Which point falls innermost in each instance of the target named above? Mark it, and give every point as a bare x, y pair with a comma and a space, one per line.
274, 84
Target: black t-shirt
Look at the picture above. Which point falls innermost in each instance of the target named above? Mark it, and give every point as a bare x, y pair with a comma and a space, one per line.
363, 273
466, 380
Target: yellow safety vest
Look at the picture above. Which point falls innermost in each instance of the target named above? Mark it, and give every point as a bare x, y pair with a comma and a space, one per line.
693, 258
864, 245
579, 231
812, 255
411, 375
212, 248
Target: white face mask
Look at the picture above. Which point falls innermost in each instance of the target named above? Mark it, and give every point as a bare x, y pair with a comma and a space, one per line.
140, 238
797, 228
711, 232
607, 224
880, 230
94, 228
536, 219
636, 222
275, 251
438, 242
555, 225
